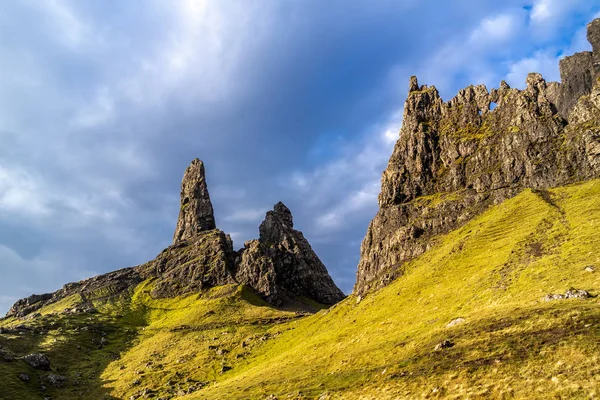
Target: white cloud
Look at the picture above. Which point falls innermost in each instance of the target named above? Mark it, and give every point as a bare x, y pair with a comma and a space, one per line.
21, 193
348, 185
542, 62
98, 112
66, 25
496, 29
363, 198
547, 17
246, 215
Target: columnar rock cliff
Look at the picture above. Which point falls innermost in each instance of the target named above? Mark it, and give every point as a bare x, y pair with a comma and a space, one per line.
280, 266
454, 159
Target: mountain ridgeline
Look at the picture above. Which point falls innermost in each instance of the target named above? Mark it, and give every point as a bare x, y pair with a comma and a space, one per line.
454, 159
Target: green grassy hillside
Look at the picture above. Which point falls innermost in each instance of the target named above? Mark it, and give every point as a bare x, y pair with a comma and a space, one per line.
227, 344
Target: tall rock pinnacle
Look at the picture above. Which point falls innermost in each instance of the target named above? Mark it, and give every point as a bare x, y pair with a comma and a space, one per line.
196, 213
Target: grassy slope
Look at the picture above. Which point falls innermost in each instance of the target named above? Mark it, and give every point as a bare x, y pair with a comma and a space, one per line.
492, 272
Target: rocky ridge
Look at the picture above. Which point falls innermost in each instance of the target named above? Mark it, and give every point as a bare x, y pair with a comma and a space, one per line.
454, 159
280, 266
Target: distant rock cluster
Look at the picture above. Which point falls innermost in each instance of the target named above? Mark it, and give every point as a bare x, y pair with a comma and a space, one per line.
454, 159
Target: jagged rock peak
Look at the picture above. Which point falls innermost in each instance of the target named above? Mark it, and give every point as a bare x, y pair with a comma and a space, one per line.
284, 214
276, 223
196, 211
282, 265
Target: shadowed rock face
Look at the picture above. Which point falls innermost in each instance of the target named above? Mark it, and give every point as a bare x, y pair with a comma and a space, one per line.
454, 159
196, 211
282, 264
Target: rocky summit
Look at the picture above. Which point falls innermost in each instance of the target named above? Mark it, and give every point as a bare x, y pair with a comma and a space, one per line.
455, 159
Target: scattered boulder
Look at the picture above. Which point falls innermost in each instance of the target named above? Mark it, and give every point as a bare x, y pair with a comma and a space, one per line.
5, 355
577, 294
444, 344
33, 316
225, 368
589, 268
38, 361
569, 294
24, 377
455, 321
55, 380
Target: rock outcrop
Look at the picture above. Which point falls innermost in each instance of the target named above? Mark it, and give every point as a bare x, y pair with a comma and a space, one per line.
93, 289
196, 211
202, 261
454, 159
281, 264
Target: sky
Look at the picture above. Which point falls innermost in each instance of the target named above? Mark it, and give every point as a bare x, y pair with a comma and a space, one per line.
104, 104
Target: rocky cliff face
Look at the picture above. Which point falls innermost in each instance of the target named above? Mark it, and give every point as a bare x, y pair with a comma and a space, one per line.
454, 159
280, 266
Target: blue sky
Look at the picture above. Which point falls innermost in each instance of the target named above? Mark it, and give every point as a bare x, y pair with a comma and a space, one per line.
103, 105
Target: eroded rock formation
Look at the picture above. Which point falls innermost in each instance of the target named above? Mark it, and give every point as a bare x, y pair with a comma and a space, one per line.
280, 266
196, 211
453, 159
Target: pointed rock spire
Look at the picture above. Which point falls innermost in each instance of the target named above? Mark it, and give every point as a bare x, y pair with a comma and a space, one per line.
196, 212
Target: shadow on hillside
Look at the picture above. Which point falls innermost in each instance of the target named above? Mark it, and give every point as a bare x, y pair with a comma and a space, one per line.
80, 348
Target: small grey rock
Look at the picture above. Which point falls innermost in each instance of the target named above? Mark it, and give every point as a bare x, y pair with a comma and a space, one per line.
454, 322
569, 294
444, 344
225, 368
576, 294
55, 380
24, 377
5, 355
38, 361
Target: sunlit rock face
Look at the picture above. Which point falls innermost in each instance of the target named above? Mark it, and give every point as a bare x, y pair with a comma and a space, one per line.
454, 159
